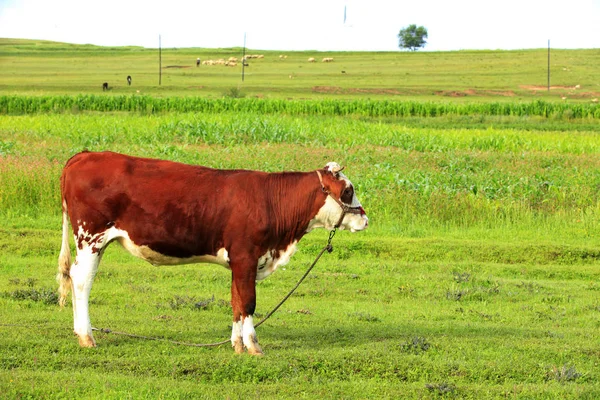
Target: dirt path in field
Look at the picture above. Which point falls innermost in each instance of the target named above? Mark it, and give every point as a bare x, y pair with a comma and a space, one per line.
537, 87
570, 91
396, 91
473, 92
337, 89
574, 92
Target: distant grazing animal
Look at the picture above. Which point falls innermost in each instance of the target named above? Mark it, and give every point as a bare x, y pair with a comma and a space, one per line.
129, 80
171, 213
105, 86
327, 59
198, 62
311, 59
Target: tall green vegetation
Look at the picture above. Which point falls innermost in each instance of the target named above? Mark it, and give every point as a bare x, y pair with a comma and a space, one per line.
413, 174
365, 108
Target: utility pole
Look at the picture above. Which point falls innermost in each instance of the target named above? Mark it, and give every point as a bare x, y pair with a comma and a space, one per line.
159, 62
244, 57
548, 65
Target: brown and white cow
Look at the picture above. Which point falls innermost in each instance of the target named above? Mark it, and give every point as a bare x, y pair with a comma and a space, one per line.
171, 213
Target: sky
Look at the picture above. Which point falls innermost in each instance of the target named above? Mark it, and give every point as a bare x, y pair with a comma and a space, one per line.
323, 25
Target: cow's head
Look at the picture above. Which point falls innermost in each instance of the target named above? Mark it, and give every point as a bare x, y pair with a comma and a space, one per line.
342, 208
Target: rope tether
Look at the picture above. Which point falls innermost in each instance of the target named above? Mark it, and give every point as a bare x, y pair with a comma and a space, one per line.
328, 247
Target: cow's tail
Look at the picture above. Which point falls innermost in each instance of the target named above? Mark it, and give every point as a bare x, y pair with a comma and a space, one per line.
64, 260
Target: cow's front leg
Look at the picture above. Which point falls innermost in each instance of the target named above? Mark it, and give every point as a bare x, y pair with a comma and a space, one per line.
243, 301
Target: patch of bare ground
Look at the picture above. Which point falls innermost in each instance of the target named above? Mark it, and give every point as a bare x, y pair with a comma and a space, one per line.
473, 92
506, 93
177, 66
327, 89
593, 96
538, 87
571, 92
340, 90
374, 91
450, 93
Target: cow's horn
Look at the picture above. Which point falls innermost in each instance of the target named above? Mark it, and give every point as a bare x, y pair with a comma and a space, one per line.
333, 167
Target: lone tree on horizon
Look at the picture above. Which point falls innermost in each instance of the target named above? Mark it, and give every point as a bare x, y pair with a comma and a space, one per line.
412, 37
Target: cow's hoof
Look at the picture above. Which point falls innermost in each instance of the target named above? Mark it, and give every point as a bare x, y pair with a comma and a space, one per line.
255, 350
87, 341
238, 347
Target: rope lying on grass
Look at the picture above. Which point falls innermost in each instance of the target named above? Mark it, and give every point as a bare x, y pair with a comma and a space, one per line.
328, 248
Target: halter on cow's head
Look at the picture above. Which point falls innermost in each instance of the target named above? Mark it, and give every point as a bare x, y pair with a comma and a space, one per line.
337, 187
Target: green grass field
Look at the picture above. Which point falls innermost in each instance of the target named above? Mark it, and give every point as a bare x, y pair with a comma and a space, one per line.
35, 67
478, 276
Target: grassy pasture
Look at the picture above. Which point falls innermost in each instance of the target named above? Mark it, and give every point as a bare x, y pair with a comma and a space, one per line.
37, 67
477, 278
451, 292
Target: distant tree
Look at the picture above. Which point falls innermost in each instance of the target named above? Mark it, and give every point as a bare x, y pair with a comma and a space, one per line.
412, 37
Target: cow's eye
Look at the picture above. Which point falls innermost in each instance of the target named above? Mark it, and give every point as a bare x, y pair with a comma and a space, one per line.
347, 194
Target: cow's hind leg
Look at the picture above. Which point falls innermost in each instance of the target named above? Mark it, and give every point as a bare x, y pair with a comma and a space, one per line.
243, 301
82, 274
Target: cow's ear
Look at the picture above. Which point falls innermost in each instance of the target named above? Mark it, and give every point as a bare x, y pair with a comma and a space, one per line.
333, 168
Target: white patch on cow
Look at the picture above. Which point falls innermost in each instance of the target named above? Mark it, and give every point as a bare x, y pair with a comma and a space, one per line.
223, 255
327, 217
236, 333
248, 332
355, 222
156, 258
270, 261
84, 239
333, 167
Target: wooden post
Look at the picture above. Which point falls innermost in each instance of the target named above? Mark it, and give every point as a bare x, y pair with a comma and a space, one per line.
548, 65
244, 57
159, 62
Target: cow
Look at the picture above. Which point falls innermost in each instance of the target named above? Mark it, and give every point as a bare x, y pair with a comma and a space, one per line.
168, 213
129, 80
